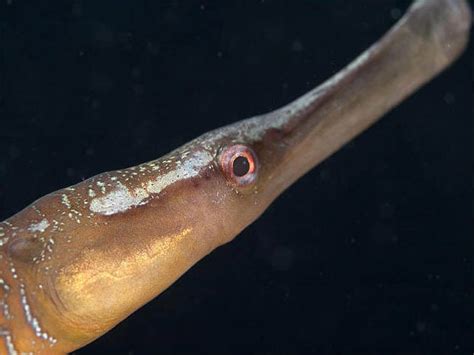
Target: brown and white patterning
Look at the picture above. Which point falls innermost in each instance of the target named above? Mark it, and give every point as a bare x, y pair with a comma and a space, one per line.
78, 261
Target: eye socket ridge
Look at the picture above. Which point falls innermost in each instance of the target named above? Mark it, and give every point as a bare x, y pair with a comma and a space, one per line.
239, 164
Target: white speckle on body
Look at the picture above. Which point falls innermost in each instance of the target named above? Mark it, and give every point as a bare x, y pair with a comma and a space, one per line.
65, 201
188, 169
102, 186
5, 291
118, 200
33, 321
122, 198
39, 227
13, 271
8, 342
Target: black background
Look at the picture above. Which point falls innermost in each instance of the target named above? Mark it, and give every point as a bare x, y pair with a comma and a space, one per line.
370, 252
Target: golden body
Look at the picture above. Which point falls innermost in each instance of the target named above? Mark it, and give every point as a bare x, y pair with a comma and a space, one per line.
78, 261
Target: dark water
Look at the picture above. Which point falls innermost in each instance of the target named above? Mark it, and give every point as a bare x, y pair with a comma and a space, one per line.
371, 252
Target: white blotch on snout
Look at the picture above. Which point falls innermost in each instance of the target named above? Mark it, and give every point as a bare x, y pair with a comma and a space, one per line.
39, 227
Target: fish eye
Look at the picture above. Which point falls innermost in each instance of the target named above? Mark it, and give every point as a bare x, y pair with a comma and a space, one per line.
239, 164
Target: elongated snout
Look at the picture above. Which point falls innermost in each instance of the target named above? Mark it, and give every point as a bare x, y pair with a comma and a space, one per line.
302, 134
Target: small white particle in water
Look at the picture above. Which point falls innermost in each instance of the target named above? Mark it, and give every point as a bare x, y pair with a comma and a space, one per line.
395, 13
39, 227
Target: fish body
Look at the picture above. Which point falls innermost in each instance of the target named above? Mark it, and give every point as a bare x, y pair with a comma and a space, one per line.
78, 261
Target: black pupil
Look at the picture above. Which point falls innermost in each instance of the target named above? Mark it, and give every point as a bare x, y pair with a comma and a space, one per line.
241, 166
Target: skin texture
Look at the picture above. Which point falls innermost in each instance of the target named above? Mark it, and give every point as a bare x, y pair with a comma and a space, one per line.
68, 258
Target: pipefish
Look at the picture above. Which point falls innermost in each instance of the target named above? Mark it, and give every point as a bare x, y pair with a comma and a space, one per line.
78, 261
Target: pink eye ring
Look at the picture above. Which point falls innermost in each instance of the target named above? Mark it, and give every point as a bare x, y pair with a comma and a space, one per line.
239, 164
